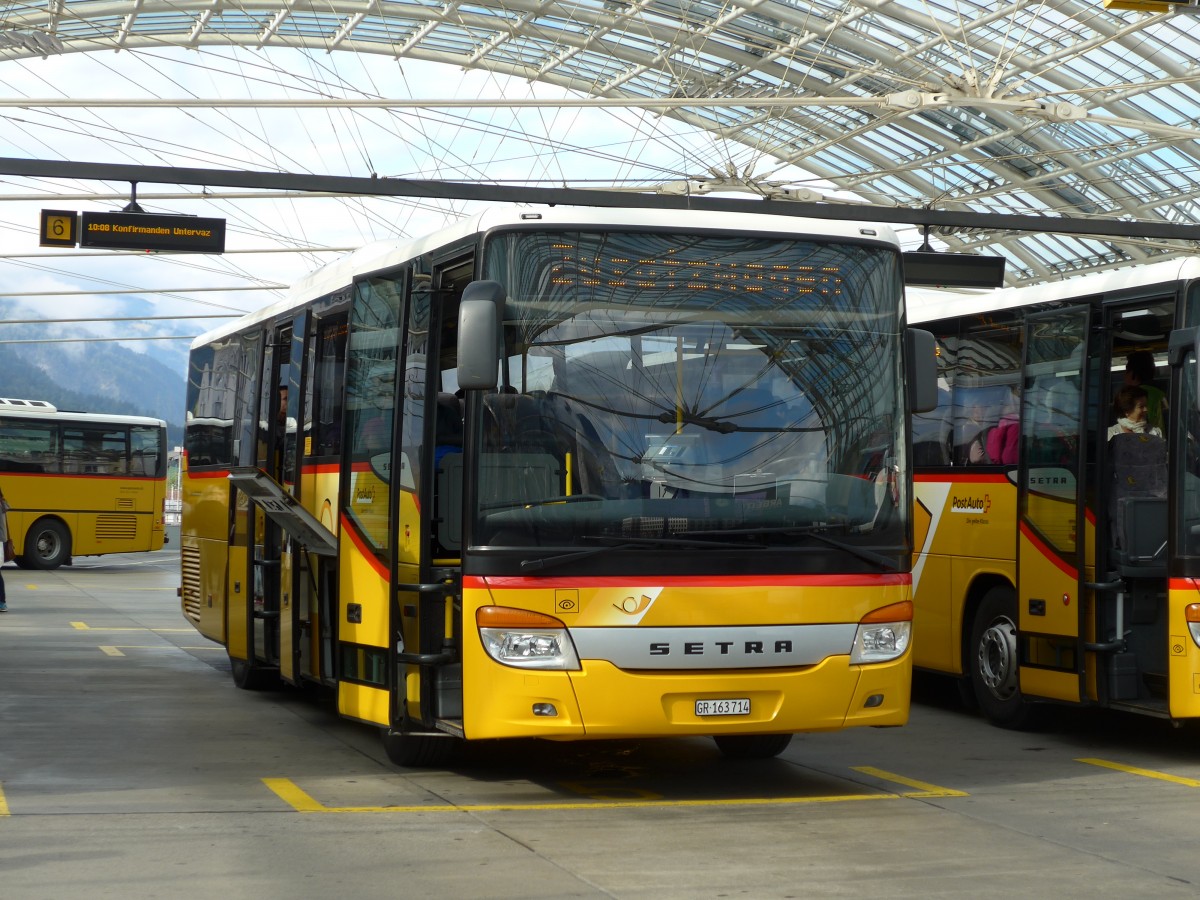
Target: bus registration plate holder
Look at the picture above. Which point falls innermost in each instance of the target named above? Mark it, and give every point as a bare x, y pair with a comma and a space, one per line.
723, 707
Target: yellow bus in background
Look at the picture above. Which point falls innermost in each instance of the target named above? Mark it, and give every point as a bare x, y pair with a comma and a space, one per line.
567, 474
80, 484
1058, 551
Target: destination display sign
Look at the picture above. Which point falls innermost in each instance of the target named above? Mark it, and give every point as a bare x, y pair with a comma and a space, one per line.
147, 231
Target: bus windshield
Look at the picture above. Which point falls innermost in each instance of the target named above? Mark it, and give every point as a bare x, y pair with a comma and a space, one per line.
707, 392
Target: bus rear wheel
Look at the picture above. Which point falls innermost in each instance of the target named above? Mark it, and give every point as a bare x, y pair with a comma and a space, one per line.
47, 545
752, 746
995, 661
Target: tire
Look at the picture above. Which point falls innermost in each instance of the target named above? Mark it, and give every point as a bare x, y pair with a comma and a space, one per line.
752, 746
250, 677
47, 545
995, 662
417, 751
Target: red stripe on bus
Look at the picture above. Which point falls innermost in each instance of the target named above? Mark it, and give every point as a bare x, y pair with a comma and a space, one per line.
516, 582
1043, 549
110, 476
1183, 584
980, 478
319, 468
360, 544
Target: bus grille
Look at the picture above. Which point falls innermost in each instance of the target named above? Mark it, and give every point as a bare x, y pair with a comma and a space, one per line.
113, 528
126, 503
189, 558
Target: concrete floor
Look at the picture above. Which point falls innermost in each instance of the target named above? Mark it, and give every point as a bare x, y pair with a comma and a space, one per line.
131, 767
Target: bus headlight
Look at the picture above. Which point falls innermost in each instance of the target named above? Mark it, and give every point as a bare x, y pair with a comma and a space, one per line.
883, 634
1191, 613
525, 639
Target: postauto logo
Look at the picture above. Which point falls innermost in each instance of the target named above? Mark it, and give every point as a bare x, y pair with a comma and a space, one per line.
976, 505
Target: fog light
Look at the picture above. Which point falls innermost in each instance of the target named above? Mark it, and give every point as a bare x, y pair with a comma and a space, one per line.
873, 701
544, 709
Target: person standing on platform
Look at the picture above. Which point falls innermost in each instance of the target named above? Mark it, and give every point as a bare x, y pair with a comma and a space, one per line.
6, 543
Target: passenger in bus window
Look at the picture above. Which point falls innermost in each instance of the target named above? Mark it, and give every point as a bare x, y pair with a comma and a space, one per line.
973, 429
1132, 414
377, 431
1140, 371
1004, 441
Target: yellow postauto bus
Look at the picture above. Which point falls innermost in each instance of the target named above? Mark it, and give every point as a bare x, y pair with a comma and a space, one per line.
1057, 532
567, 474
80, 484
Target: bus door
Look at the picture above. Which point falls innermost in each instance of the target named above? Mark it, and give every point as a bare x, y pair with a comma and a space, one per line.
1052, 521
278, 405
1183, 432
425, 614
1131, 631
293, 563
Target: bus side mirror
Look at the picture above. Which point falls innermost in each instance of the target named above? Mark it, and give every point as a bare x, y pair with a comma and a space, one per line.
1182, 341
920, 367
479, 314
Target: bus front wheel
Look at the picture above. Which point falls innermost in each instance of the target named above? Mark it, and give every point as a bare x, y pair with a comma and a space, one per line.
752, 746
995, 662
250, 677
411, 750
47, 545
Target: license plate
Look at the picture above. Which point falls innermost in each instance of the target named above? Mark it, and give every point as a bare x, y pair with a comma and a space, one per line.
739, 707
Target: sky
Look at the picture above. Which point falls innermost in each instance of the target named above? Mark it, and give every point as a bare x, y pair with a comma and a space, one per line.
273, 242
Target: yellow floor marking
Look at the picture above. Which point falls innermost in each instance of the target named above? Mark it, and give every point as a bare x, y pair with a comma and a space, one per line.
3, 802
115, 649
84, 626
923, 789
1145, 773
290, 793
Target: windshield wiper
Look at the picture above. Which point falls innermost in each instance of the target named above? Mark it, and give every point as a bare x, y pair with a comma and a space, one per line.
813, 532
626, 543
690, 418
545, 501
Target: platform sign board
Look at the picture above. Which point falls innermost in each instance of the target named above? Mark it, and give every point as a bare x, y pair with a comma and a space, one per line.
148, 231
59, 228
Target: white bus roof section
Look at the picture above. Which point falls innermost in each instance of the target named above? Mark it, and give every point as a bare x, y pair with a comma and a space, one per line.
42, 411
383, 255
1057, 108
930, 305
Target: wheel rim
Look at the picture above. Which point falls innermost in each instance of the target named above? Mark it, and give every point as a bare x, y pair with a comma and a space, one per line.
997, 658
48, 545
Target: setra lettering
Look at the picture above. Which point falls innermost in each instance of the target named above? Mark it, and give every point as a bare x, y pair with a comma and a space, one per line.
722, 648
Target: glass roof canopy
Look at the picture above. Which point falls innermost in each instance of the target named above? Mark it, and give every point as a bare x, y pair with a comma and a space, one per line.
1057, 108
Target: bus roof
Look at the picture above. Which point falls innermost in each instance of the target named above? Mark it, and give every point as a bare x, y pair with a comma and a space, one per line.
930, 304
382, 255
41, 409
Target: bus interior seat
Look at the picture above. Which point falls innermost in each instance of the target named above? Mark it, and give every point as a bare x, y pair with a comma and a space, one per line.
523, 458
1138, 504
448, 447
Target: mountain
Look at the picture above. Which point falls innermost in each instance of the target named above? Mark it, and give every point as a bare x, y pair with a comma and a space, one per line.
95, 377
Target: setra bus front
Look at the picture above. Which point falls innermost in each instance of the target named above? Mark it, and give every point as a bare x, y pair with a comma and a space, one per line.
678, 510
